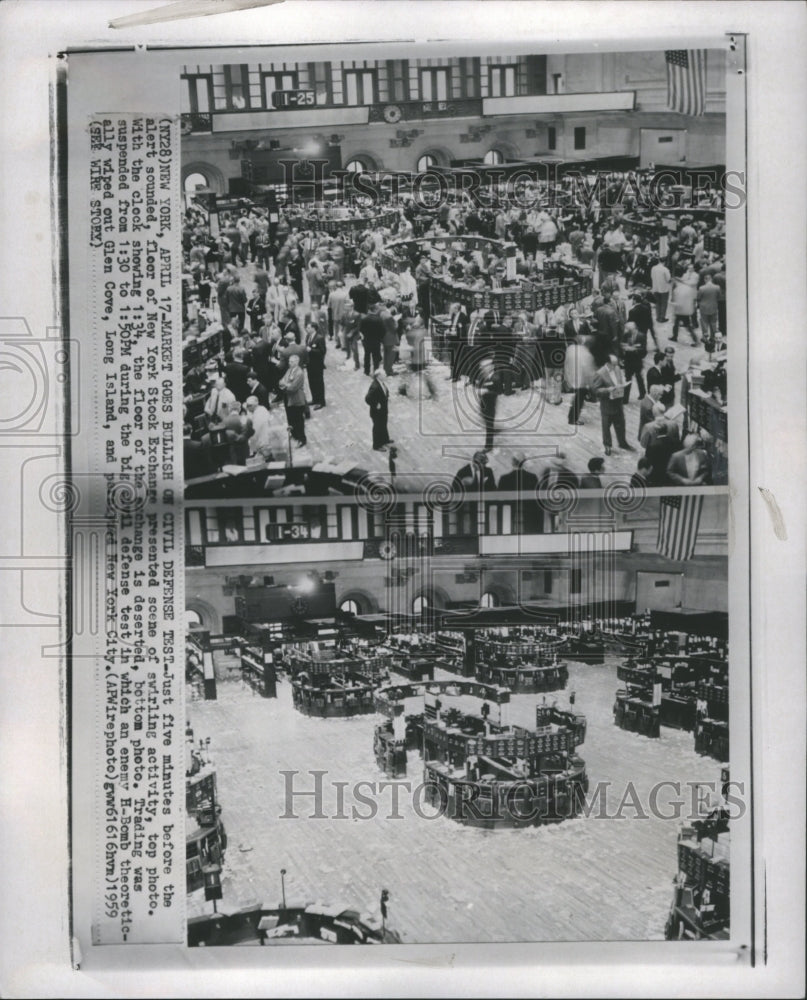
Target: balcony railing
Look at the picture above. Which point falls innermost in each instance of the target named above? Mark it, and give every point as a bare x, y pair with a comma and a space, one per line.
195, 123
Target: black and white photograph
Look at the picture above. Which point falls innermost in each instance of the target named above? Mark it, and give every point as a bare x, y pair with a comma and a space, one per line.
393, 557
463, 253
441, 735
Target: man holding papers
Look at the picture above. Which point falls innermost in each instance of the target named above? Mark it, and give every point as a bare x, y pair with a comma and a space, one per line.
609, 386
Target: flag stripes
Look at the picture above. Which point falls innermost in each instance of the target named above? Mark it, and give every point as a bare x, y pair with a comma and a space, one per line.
679, 519
686, 80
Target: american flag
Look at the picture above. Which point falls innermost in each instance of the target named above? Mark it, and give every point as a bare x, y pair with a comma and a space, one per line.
679, 518
686, 80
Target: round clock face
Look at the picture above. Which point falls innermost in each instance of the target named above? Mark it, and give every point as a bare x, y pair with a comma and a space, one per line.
299, 606
186, 127
392, 113
387, 550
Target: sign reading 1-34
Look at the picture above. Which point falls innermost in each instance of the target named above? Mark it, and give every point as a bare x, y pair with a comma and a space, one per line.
293, 98
287, 532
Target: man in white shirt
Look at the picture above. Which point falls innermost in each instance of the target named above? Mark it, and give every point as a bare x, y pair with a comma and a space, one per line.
661, 284
369, 273
219, 401
258, 424
615, 238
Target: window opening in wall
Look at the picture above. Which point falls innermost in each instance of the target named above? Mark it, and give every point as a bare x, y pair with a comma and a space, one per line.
502, 81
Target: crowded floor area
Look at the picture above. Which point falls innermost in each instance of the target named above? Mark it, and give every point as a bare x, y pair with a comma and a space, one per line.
408, 334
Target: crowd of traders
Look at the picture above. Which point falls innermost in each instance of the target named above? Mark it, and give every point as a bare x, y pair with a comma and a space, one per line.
281, 294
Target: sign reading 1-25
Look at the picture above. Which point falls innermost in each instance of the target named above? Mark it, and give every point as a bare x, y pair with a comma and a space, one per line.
293, 98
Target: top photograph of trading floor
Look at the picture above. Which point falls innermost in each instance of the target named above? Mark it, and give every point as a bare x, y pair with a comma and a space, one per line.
500, 272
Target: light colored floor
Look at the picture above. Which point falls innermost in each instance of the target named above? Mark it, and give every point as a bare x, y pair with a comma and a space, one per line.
440, 436
584, 879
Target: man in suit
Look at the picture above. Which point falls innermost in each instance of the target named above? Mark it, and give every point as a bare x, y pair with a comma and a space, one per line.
529, 517
477, 321
237, 302
475, 476
260, 354
351, 323
258, 390
608, 320
634, 348
591, 480
423, 278
641, 313
488, 388
236, 372
555, 472
654, 393
389, 341
609, 387
457, 338
337, 297
690, 466
663, 373
708, 300
519, 479
377, 399
372, 335
575, 327
293, 385
359, 295
660, 439
316, 345
289, 350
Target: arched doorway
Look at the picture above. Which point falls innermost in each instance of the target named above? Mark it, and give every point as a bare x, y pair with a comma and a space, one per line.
199, 613
204, 175
493, 157
356, 602
192, 619
193, 182
429, 599
490, 599
361, 162
421, 604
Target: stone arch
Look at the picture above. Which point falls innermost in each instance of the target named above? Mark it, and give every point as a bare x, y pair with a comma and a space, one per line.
437, 597
371, 161
366, 602
442, 154
502, 593
215, 178
506, 147
211, 619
